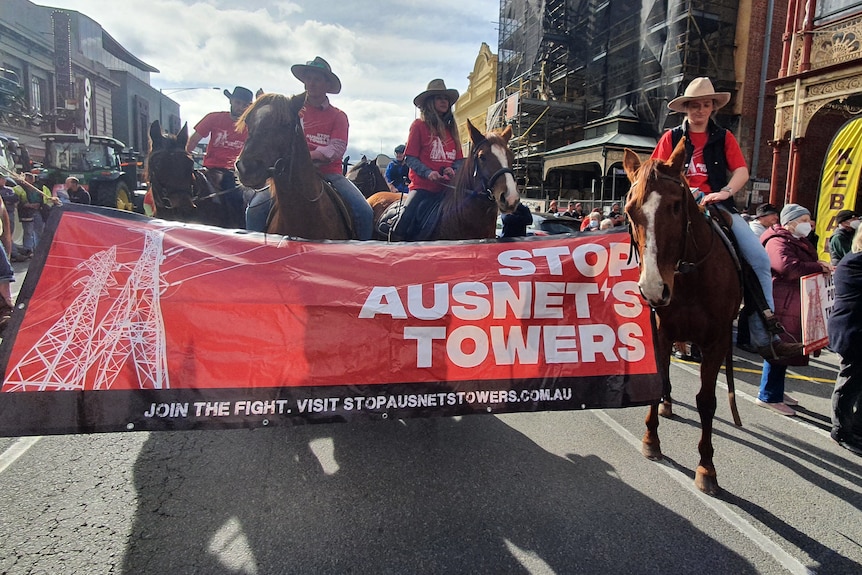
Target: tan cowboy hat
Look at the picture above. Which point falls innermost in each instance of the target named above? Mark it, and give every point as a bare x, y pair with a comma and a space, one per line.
699, 89
333, 84
436, 87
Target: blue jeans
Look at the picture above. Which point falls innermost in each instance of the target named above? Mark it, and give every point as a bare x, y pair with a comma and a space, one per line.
756, 256
772, 383
7, 275
28, 232
363, 217
257, 211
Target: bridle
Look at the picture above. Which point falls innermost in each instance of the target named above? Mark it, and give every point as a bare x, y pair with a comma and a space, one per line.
683, 265
162, 193
487, 184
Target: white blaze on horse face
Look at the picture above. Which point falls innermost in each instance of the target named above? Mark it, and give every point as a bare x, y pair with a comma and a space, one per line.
511, 196
650, 282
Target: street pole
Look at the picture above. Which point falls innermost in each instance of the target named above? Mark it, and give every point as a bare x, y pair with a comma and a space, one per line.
164, 93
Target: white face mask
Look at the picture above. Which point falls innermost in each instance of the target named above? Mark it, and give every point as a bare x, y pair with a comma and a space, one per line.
854, 224
802, 229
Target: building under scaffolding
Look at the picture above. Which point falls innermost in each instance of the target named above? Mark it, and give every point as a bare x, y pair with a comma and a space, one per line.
573, 73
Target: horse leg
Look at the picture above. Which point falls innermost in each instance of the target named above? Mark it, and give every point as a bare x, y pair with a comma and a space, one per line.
651, 445
705, 476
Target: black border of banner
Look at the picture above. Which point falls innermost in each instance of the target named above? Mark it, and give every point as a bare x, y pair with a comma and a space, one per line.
62, 412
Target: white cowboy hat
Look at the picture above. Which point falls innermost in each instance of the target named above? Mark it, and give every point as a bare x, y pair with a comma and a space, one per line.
436, 87
699, 89
333, 84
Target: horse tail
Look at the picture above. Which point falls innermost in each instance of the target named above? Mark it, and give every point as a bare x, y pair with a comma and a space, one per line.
731, 386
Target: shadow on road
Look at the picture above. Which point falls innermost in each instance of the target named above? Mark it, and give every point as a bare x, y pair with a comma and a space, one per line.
448, 495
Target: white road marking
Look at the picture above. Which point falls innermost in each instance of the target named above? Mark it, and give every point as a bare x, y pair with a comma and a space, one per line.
750, 398
18, 449
784, 558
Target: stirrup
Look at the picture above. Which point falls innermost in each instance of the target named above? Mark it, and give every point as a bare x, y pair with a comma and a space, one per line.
773, 326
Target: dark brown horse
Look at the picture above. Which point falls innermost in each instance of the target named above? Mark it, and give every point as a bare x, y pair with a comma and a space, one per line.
484, 185
366, 176
276, 152
689, 277
179, 192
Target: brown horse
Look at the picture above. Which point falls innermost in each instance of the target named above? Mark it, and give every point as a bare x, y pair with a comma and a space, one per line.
179, 192
367, 178
276, 152
689, 277
482, 186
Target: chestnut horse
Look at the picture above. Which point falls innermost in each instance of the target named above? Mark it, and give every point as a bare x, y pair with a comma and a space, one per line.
483, 185
178, 191
367, 178
689, 278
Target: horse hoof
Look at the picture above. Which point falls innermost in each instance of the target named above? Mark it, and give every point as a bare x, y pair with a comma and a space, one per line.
665, 409
651, 452
706, 482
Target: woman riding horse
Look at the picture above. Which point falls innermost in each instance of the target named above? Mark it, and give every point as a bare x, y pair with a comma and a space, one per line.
433, 153
712, 152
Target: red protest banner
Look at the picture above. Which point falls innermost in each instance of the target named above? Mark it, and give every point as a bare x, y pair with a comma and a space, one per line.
132, 323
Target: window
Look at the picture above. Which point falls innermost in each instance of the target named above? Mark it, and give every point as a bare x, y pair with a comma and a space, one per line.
36, 94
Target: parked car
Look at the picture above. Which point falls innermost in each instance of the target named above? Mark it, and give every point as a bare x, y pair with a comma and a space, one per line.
546, 225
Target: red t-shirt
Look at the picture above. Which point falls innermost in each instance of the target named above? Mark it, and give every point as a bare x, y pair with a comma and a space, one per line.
431, 151
225, 142
696, 174
326, 130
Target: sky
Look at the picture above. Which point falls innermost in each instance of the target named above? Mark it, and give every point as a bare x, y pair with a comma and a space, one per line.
384, 51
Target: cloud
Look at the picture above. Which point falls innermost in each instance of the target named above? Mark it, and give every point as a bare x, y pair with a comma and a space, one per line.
385, 52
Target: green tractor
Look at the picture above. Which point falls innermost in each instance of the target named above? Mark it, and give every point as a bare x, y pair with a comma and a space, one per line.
97, 167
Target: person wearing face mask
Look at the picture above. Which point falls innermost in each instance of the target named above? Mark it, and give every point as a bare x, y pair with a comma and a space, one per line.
847, 221
791, 256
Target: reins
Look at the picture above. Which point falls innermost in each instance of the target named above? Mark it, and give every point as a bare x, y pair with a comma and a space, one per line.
682, 266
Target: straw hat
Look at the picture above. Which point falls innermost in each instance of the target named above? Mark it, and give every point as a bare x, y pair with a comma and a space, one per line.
333, 84
699, 89
436, 87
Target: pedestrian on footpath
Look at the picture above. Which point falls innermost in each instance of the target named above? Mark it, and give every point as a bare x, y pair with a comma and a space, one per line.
791, 256
844, 327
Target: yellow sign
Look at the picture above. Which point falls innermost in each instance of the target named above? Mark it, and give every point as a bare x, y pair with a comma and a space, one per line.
839, 181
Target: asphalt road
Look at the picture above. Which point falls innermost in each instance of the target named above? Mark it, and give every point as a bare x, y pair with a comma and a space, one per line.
555, 492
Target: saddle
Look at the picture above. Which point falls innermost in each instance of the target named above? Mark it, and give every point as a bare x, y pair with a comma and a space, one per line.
418, 224
753, 298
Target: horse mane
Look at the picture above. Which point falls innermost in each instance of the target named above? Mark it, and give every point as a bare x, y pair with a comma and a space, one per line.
647, 171
282, 109
653, 169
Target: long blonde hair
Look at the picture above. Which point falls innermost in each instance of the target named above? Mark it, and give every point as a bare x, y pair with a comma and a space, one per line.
440, 125
856, 245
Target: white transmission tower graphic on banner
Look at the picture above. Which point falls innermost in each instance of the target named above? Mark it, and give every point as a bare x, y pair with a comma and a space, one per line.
131, 329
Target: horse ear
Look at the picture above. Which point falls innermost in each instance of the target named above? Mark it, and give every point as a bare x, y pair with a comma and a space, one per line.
156, 136
677, 158
631, 164
183, 135
296, 103
475, 135
506, 134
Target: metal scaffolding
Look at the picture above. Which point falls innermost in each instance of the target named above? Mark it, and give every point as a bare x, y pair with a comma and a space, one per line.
564, 64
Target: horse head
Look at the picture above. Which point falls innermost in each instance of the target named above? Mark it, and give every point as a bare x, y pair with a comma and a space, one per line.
170, 170
661, 209
492, 162
366, 176
275, 136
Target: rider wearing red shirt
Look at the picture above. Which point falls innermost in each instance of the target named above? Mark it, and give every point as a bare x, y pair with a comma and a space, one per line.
433, 154
224, 147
